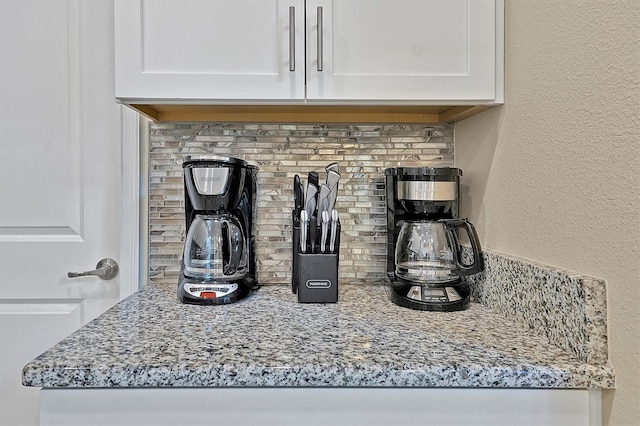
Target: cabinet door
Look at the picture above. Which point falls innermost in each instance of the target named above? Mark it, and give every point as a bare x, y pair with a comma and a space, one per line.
416, 50
209, 49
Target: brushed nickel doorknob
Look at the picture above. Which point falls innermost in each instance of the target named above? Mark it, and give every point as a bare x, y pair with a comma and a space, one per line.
106, 269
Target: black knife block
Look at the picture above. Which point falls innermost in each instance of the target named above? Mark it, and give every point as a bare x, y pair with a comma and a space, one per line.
314, 275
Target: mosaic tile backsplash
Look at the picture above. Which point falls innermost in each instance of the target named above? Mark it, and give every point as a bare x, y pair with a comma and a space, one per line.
281, 151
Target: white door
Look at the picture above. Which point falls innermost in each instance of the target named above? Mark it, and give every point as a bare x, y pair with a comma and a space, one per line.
61, 181
420, 50
210, 49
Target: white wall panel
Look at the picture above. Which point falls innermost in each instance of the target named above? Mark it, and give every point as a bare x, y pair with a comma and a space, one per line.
41, 185
19, 321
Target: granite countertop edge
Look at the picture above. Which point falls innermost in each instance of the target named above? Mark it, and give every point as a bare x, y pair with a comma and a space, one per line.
560, 377
361, 343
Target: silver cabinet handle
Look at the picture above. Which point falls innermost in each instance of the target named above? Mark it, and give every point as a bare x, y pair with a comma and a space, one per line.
106, 269
320, 59
292, 38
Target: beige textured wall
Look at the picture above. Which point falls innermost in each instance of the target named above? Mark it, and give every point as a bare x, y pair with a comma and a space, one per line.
554, 174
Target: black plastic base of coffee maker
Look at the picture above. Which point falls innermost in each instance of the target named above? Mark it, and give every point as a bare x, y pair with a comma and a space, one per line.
400, 288
244, 288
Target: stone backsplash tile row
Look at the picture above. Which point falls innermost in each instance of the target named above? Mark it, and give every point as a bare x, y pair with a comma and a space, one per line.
281, 151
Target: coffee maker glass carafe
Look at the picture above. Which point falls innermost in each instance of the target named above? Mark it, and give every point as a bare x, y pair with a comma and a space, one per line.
215, 248
428, 252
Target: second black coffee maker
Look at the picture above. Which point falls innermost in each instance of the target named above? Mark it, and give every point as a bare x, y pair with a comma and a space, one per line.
425, 261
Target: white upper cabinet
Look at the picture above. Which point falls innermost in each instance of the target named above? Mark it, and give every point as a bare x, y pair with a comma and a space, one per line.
420, 52
401, 50
209, 49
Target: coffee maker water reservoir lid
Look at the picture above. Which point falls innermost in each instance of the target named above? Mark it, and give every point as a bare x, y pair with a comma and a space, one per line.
208, 158
425, 184
211, 173
424, 173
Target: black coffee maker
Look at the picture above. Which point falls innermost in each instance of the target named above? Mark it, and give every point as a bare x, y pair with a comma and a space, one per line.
425, 262
218, 264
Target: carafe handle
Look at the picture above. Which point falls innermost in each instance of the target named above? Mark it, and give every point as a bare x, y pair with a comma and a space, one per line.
451, 225
235, 249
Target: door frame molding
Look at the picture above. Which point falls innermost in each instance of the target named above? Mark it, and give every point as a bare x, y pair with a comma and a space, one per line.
130, 256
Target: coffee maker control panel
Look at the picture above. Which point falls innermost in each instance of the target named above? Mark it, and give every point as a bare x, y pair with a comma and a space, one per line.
209, 291
433, 294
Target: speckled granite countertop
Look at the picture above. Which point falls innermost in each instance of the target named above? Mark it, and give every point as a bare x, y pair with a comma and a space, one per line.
269, 339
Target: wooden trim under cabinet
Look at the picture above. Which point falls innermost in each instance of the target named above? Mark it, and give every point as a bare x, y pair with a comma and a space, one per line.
308, 113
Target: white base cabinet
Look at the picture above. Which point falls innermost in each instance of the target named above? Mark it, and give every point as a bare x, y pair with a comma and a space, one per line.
320, 406
418, 52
